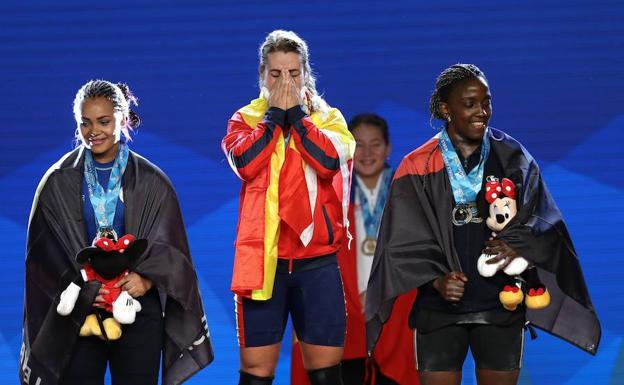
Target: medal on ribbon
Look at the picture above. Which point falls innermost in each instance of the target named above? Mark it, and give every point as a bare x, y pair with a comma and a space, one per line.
465, 186
368, 246
105, 202
372, 218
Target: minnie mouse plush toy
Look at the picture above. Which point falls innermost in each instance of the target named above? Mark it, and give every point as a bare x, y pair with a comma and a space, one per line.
502, 209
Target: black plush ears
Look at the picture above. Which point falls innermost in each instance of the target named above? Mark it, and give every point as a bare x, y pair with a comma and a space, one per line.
134, 252
87, 253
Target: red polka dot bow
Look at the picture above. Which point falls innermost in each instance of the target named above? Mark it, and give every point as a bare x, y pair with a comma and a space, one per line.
494, 189
108, 244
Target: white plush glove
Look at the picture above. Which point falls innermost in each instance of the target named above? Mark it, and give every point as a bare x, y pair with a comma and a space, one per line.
68, 299
517, 266
488, 270
125, 308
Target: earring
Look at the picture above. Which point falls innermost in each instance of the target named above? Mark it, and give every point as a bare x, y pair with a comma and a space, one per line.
448, 118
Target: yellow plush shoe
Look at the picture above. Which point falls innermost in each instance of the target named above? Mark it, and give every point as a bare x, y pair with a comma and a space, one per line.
90, 327
511, 297
537, 298
112, 329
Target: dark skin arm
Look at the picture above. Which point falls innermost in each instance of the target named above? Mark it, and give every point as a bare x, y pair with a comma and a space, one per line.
133, 283
502, 251
451, 286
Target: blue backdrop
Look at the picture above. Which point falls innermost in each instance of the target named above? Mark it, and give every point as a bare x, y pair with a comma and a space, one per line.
555, 71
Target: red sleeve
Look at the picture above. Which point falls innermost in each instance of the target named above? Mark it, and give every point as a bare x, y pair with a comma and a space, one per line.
249, 149
315, 147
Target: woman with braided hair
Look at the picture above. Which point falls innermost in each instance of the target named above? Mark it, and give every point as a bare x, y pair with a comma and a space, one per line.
102, 189
432, 233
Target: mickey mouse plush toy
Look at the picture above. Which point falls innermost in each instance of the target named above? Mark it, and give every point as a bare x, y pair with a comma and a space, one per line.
106, 261
502, 200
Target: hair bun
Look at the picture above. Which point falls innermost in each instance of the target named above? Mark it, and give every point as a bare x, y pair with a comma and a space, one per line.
134, 118
125, 89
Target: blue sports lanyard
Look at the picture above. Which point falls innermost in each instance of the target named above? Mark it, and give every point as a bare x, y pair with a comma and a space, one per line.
465, 187
105, 202
372, 218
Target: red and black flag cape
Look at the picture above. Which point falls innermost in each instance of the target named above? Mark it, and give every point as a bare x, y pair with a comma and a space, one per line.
56, 232
415, 243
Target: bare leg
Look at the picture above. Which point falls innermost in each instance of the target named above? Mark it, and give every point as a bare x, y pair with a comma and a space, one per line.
317, 356
260, 361
495, 377
440, 378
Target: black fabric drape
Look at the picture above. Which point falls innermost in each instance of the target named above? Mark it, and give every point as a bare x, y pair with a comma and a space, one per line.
415, 243
56, 232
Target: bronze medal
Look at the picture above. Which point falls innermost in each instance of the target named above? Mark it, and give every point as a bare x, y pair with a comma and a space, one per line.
368, 246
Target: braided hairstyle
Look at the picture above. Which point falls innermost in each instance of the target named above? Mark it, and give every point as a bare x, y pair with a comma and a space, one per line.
447, 81
118, 94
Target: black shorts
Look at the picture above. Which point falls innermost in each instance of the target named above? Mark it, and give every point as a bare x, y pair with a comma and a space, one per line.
493, 347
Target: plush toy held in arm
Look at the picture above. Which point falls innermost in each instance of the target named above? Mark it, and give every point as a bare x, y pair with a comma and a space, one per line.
107, 261
502, 200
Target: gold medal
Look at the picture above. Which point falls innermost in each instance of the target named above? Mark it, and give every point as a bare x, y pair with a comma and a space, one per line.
106, 232
368, 246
